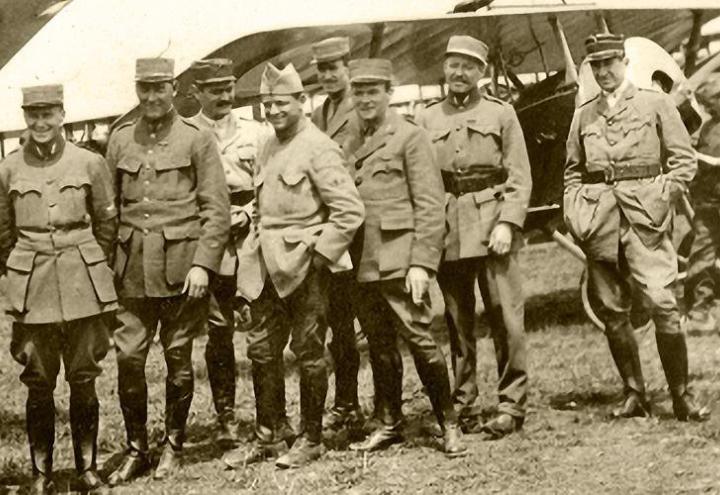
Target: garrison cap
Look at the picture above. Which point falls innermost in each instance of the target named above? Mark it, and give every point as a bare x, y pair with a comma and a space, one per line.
370, 70
708, 88
280, 82
212, 70
330, 49
42, 96
154, 69
602, 46
468, 46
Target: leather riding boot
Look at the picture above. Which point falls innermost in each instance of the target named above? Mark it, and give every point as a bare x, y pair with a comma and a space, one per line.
40, 418
84, 417
434, 376
313, 390
132, 392
178, 392
623, 348
266, 383
672, 348
220, 359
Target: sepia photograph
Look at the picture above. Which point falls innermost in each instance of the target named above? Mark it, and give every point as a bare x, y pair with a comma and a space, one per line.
359, 247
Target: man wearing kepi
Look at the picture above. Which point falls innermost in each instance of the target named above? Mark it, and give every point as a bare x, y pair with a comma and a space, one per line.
331, 58
57, 225
481, 152
700, 286
398, 250
628, 158
238, 140
307, 211
174, 224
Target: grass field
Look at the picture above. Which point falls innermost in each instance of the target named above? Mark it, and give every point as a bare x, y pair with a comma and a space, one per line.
567, 446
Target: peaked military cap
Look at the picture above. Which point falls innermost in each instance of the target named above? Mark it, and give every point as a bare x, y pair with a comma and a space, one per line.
42, 96
280, 82
211, 70
468, 46
154, 69
331, 49
602, 46
368, 70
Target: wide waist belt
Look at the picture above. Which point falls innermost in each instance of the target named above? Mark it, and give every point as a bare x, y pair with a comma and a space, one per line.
622, 172
457, 183
53, 240
241, 198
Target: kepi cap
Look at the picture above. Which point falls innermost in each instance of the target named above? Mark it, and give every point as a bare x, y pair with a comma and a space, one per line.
330, 49
212, 70
468, 46
602, 46
370, 70
42, 96
154, 69
280, 82
709, 88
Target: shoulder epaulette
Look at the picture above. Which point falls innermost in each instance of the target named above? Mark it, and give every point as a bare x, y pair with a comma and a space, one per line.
189, 123
432, 104
589, 101
116, 127
493, 98
409, 118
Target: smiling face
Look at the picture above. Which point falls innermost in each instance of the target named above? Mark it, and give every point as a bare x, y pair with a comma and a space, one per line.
156, 98
462, 73
44, 123
371, 99
609, 73
283, 111
333, 75
215, 98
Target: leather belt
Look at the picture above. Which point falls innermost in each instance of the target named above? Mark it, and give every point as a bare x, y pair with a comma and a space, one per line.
458, 183
241, 198
622, 172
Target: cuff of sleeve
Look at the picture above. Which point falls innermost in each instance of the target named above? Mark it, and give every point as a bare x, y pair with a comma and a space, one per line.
426, 257
209, 261
513, 216
331, 244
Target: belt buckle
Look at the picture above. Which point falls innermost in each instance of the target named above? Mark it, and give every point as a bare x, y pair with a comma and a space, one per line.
609, 175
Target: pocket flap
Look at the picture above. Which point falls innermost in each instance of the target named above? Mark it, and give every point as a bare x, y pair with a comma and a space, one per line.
591, 131
21, 261
489, 194
22, 186
91, 253
169, 162
634, 125
591, 194
291, 177
130, 164
76, 182
441, 134
397, 221
484, 128
180, 232
124, 233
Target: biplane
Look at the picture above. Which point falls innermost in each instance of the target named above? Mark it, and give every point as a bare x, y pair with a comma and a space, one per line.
535, 48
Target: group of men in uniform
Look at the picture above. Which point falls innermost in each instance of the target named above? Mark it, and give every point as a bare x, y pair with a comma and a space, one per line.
310, 225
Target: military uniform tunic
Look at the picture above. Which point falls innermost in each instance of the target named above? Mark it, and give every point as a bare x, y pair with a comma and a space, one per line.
479, 139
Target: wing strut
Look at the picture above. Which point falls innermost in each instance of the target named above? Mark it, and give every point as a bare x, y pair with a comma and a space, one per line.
571, 75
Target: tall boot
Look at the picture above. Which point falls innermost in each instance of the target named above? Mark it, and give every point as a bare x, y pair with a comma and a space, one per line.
282, 424
178, 393
40, 423
267, 382
84, 418
624, 350
313, 390
672, 348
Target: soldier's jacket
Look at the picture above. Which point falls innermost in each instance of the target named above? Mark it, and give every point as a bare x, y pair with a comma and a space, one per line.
482, 136
57, 224
401, 187
705, 188
643, 128
173, 205
305, 203
336, 125
238, 141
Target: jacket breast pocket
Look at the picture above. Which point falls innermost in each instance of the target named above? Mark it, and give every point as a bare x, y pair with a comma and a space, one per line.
442, 147
594, 144
28, 203
19, 270
128, 177
122, 250
180, 244
397, 231
639, 136
101, 276
72, 198
175, 177
484, 145
388, 179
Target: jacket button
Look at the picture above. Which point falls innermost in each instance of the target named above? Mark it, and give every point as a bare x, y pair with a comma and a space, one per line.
150, 152
147, 215
358, 181
147, 182
358, 165
146, 199
612, 163
146, 231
